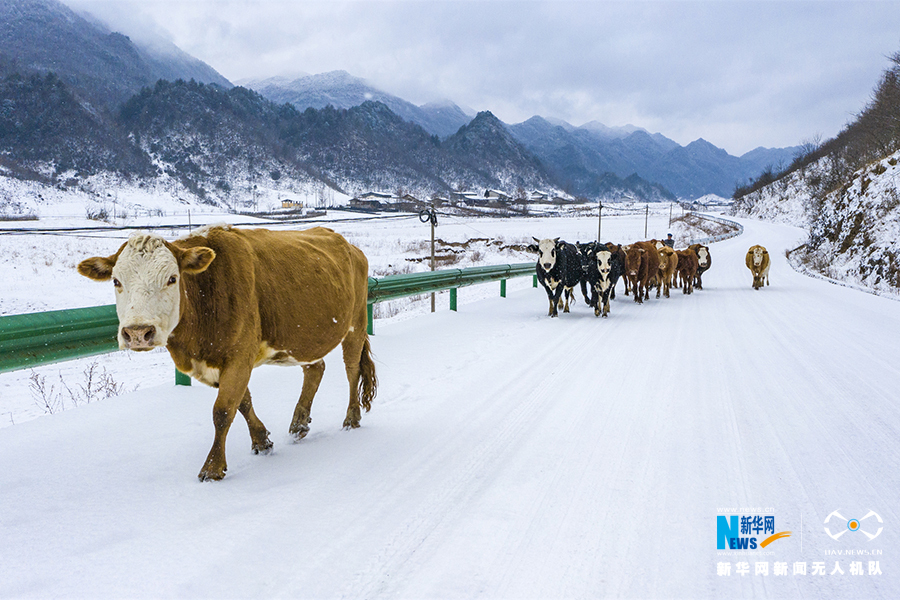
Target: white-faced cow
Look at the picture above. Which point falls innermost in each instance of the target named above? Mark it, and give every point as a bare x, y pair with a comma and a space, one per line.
604, 271
224, 301
559, 270
704, 262
757, 260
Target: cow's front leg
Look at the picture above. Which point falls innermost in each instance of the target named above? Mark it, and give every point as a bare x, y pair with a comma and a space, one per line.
312, 377
551, 299
557, 300
606, 295
232, 387
259, 435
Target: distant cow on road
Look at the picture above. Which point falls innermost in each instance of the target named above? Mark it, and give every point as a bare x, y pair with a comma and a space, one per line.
559, 270
687, 269
757, 260
604, 271
668, 269
641, 265
704, 262
224, 301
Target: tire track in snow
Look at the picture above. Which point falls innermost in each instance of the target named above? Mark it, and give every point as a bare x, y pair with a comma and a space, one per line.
493, 437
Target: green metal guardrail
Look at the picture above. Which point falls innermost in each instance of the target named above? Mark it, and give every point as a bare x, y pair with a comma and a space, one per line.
40, 338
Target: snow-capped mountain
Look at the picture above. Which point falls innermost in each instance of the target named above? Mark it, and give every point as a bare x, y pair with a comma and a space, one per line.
342, 90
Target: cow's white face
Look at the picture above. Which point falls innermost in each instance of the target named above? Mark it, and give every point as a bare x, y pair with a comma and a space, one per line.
703, 256
758, 255
146, 274
604, 263
148, 297
547, 254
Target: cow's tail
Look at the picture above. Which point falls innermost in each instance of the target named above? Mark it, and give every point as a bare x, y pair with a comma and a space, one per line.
368, 382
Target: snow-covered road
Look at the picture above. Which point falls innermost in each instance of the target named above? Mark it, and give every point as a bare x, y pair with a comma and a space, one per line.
507, 455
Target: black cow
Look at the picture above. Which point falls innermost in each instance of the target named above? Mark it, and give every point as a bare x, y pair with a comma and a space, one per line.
603, 273
559, 270
586, 254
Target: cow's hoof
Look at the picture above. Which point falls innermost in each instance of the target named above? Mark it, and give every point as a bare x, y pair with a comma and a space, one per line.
351, 424
264, 447
210, 474
299, 432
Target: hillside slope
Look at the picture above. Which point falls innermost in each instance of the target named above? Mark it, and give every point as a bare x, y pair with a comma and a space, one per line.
100, 65
845, 191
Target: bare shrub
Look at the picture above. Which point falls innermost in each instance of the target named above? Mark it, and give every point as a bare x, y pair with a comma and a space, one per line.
97, 384
46, 397
98, 214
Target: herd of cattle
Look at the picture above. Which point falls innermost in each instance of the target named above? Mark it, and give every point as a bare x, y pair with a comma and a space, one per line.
561, 267
225, 301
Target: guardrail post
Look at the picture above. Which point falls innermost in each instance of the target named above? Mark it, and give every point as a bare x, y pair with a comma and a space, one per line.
370, 319
503, 288
453, 299
181, 378
534, 281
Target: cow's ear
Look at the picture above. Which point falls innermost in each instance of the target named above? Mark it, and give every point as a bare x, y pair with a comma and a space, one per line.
98, 268
556, 240
196, 260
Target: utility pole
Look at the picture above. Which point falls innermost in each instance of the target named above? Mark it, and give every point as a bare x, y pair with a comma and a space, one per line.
430, 216
646, 219
433, 220
599, 220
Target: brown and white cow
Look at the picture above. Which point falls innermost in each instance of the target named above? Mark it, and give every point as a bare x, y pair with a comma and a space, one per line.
224, 301
687, 269
704, 262
641, 265
668, 267
757, 261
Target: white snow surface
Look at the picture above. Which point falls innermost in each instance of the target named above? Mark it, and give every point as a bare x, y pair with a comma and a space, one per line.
507, 455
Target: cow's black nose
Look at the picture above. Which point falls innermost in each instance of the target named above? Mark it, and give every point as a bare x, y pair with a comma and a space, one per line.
547, 266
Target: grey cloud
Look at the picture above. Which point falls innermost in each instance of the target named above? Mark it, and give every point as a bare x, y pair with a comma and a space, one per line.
739, 74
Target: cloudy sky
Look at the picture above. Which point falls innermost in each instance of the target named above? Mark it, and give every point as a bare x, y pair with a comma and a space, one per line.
738, 74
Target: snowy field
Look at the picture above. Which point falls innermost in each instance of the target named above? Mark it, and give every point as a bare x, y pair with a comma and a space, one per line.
40, 275
507, 455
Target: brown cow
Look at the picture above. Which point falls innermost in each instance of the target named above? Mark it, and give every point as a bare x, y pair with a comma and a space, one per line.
704, 262
641, 265
687, 269
224, 301
757, 261
668, 267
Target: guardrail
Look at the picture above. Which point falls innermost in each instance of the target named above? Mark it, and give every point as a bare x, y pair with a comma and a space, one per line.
718, 238
41, 338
